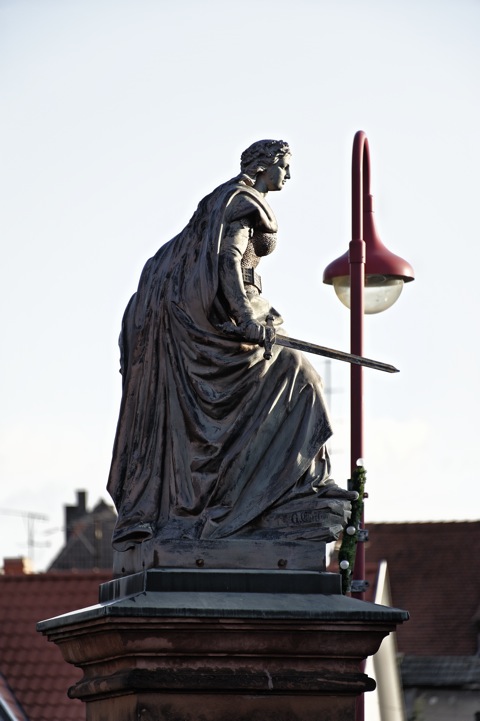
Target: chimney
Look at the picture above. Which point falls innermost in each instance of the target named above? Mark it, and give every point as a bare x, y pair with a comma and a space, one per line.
17, 566
74, 513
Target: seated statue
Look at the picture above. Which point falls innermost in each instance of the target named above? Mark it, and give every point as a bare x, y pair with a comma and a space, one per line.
213, 441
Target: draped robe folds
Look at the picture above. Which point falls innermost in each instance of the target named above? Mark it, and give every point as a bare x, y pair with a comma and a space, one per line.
211, 437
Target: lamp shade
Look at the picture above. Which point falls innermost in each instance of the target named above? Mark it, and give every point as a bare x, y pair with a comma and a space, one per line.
385, 272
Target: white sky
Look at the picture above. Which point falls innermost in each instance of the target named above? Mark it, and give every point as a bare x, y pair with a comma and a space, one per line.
118, 116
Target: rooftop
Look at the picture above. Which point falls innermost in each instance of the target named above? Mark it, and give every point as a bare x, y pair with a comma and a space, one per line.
88, 542
434, 572
34, 669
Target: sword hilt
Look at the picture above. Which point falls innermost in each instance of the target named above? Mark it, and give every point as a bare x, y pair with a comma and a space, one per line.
269, 340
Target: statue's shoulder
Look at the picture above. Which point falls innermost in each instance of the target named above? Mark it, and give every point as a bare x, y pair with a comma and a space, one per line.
246, 203
242, 205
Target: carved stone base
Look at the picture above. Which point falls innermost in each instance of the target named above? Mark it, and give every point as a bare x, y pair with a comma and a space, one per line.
212, 646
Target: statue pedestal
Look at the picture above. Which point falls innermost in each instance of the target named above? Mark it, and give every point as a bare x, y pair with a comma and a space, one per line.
213, 645
227, 553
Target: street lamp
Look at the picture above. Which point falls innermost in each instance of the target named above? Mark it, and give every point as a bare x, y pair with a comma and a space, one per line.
368, 278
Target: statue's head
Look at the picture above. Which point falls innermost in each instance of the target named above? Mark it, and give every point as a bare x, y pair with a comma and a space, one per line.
261, 155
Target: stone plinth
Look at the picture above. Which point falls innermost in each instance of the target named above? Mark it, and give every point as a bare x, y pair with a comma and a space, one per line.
179, 645
227, 553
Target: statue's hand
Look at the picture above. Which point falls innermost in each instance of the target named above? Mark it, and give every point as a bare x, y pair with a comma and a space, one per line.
248, 330
252, 331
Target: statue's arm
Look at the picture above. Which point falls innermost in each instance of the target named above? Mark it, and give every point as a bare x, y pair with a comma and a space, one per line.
233, 246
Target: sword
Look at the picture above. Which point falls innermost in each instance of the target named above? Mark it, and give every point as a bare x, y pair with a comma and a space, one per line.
271, 337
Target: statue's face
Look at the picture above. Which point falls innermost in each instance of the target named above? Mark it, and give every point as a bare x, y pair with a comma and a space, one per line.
275, 176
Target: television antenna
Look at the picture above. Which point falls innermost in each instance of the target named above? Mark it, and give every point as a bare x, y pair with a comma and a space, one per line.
30, 517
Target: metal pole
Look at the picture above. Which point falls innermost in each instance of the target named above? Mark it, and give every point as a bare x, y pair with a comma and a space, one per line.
357, 256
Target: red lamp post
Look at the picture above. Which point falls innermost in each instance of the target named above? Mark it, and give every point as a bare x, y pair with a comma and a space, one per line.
368, 278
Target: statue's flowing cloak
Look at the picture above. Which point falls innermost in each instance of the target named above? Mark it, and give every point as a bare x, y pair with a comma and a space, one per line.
210, 434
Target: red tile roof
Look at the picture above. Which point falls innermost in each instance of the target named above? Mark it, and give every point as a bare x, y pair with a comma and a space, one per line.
33, 667
434, 572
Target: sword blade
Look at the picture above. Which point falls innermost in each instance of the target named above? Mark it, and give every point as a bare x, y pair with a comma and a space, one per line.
331, 353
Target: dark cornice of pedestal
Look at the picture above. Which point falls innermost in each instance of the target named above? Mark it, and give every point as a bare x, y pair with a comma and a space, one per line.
253, 595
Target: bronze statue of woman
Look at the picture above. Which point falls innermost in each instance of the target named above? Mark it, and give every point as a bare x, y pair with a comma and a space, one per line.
214, 441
